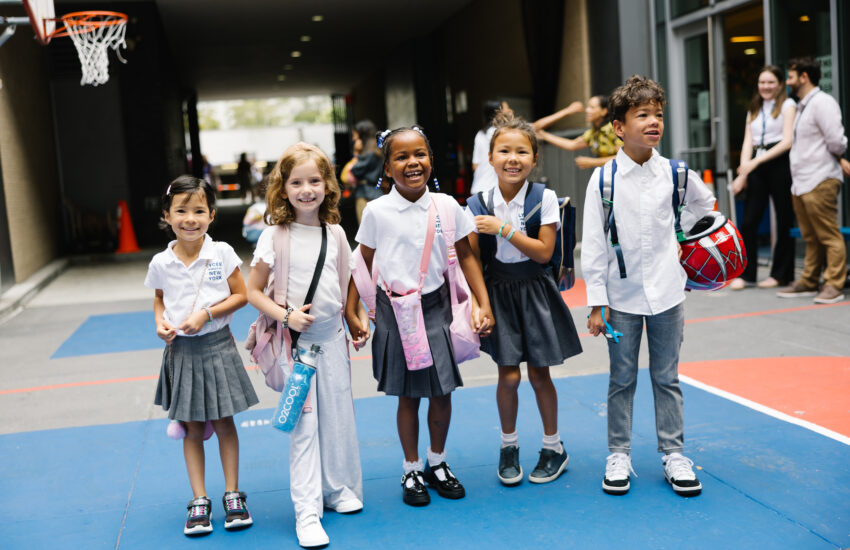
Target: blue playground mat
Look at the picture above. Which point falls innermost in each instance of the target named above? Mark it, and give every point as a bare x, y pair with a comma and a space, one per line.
766, 483
134, 331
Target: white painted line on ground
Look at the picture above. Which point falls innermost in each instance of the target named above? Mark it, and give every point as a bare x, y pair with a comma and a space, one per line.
766, 410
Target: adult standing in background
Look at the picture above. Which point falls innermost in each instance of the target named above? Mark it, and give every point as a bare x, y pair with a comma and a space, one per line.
366, 171
600, 137
768, 134
244, 177
816, 171
483, 174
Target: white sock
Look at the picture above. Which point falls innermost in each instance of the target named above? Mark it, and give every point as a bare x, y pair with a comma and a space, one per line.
510, 439
435, 460
553, 443
416, 466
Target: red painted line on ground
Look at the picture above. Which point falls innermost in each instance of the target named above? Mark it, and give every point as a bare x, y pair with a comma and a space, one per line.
367, 357
78, 384
759, 313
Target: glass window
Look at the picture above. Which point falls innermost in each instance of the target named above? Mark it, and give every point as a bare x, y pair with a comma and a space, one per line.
803, 29
698, 100
682, 7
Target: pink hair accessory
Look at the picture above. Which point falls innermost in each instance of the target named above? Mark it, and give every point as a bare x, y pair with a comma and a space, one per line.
167, 191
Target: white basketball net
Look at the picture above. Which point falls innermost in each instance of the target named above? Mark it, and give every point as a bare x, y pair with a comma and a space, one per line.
93, 35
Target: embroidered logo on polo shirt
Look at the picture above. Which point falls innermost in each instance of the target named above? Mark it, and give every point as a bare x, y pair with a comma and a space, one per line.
214, 271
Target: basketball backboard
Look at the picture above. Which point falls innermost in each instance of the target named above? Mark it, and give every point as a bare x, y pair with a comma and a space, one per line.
42, 15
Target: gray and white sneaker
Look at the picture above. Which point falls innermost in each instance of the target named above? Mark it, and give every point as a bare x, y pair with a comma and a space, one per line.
678, 471
617, 468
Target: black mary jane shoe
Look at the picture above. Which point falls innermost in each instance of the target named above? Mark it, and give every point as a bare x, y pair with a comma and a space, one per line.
413, 490
450, 487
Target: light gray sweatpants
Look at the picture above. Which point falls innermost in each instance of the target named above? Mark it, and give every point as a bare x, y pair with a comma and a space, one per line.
324, 455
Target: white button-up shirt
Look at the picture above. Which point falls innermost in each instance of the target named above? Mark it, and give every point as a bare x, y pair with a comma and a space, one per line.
205, 278
396, 229
514, 213
643, 211
819, 141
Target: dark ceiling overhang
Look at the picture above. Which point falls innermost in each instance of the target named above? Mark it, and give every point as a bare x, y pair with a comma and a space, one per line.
243, 48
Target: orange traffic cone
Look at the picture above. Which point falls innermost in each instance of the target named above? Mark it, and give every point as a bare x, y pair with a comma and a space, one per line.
126, 236
708, 179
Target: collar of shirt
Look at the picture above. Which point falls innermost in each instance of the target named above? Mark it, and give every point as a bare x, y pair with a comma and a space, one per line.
207, 251
805, 100
519, 198
402, 204
625, 164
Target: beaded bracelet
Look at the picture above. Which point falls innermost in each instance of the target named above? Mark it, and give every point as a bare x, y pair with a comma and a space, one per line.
511, 234
209, 314
502, 227
286, 317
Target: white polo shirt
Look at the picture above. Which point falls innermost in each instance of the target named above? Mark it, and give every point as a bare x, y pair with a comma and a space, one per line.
643, 211
514, 213
396, 228
180, 284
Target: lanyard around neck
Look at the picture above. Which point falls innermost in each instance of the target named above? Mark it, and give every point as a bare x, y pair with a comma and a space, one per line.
802, 107
763, 125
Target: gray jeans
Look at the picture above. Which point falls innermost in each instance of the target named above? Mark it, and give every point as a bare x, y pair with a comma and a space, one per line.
664, 333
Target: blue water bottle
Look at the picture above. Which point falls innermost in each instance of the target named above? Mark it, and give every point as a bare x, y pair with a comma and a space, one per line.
297, 387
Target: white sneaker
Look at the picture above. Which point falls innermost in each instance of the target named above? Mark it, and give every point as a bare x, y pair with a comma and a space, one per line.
617, 468
310, 533
679, 474
349, 506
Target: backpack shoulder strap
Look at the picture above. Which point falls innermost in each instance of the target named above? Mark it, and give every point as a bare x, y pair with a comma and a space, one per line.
606, 191
280, 240
343, 258
531, 207
680, 188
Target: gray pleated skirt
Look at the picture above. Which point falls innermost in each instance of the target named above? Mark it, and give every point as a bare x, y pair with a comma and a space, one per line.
388, 364
533, 324
203, 378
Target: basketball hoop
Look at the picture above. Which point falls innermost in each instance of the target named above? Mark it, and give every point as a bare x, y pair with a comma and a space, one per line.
93, 33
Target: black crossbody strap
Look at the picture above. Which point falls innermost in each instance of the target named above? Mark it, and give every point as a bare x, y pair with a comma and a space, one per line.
317, 274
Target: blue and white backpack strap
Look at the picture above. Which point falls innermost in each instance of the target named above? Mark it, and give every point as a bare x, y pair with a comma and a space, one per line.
680, 188
606, 191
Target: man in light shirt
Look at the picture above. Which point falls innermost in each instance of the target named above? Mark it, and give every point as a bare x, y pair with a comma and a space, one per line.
816, 173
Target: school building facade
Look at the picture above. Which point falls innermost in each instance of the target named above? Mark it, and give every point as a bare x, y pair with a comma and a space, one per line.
68, 154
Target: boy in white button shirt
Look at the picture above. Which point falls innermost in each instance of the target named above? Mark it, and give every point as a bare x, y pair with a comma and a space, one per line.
653, 289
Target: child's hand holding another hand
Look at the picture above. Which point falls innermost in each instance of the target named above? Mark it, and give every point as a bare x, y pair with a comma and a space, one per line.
358, 326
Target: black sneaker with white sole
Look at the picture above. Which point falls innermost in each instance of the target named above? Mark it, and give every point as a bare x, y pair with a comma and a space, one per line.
617, 468
413, 491
447, 485
510, 472
236, 508
679, 474
198, 520
550, 466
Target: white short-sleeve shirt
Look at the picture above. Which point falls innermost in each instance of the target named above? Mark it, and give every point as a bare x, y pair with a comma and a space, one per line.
484, 177
305, 243
396, 228
514, 213
205, 278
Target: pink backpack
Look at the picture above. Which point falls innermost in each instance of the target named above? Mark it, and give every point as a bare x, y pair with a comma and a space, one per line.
465, 341
265, 334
